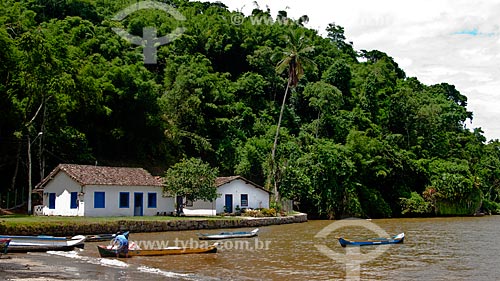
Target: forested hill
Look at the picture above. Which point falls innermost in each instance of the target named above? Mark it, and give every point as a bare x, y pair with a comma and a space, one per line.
357, 137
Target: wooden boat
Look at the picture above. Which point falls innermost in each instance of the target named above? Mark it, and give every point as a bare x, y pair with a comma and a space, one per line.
103, 237
4, 244
43, 243
108, 252
374, 241
228, 235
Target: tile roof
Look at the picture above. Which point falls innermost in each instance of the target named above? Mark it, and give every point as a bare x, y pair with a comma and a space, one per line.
102, 175
223, 180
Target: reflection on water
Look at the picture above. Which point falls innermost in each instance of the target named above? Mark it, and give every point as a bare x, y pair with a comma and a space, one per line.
434, 249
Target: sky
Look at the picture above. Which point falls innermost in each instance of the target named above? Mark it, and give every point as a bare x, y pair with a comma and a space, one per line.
451, 41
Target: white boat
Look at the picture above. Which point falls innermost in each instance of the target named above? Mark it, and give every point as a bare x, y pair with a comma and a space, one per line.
228, 235
42, 243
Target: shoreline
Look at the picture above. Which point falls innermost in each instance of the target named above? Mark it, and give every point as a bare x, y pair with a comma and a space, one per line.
148, 225
36, 267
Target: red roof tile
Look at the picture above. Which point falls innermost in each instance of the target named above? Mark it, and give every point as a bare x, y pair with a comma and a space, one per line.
101, 175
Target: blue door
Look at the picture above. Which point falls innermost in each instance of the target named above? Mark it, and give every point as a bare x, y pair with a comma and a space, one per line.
52, 200
229, 203
138, 204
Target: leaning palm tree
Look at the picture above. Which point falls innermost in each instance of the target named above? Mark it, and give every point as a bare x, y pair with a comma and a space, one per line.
295, 60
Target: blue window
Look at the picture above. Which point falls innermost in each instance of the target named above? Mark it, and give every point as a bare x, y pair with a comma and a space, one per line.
124, 200
52, 200
73, 203
152, 200
244, 200
99, 199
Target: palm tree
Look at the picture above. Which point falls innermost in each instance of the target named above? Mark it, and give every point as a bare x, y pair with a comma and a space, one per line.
295, 59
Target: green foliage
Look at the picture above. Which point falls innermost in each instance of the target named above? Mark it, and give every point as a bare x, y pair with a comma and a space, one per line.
268, 212
491, 207
193, 179
322, 176
415, 205
339, 75
355, 136
373, 203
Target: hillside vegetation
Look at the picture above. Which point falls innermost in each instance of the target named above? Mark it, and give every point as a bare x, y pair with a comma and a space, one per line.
357, 136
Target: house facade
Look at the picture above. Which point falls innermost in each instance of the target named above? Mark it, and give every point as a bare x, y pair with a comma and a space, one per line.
85, 190
233, 192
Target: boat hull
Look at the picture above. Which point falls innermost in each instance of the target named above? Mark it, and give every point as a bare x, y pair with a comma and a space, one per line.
379, 241
23, 244
104, 252
103, 237
229, 235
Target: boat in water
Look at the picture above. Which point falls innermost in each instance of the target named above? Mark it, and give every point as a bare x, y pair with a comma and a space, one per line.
103, 237
228, 235
110, 251
373, 241
42, 243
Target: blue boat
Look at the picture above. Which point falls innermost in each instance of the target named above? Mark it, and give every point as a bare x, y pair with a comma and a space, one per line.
373, 241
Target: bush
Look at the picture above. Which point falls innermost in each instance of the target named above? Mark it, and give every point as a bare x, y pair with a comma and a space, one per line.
264, 212
268, 212
491, 207
252, 213
415, 205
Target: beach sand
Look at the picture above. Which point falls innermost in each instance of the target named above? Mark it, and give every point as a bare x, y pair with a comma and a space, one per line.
26, 267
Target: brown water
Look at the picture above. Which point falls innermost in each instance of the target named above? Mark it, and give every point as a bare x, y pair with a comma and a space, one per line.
434, 249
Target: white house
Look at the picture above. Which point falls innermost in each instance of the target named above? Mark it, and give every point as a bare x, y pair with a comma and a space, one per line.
85, 190
234, 191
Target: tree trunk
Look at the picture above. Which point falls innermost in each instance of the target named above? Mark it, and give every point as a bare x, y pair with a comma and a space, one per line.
16, 171
41, 158
273, 152
29, 175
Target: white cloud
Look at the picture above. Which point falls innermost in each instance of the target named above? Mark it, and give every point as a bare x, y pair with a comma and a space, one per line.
452, 41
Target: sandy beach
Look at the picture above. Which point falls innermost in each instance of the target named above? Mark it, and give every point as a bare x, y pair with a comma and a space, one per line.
33, 267
24, 267
57, 266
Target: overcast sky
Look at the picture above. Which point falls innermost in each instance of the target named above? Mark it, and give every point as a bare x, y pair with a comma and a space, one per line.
452, 41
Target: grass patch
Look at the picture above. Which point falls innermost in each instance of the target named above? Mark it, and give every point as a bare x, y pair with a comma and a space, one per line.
24, 220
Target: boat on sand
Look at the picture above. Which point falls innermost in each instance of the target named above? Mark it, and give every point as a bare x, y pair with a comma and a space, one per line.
42, 243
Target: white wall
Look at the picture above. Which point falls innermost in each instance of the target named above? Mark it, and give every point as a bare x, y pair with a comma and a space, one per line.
112, 201
63, 185
200, 208
257, 198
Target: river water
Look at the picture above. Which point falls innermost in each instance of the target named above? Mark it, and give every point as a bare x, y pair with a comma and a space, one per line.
434, 249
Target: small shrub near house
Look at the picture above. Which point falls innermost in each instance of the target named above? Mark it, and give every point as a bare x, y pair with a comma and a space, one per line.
257, 213
268, 212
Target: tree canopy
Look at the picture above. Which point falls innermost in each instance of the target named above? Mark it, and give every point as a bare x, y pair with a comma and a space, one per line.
193, 179
357, 137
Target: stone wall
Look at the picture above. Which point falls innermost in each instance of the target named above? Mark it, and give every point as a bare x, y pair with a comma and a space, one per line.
149, 226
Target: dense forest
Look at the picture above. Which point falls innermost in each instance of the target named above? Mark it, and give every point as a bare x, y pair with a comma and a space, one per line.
342, 132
